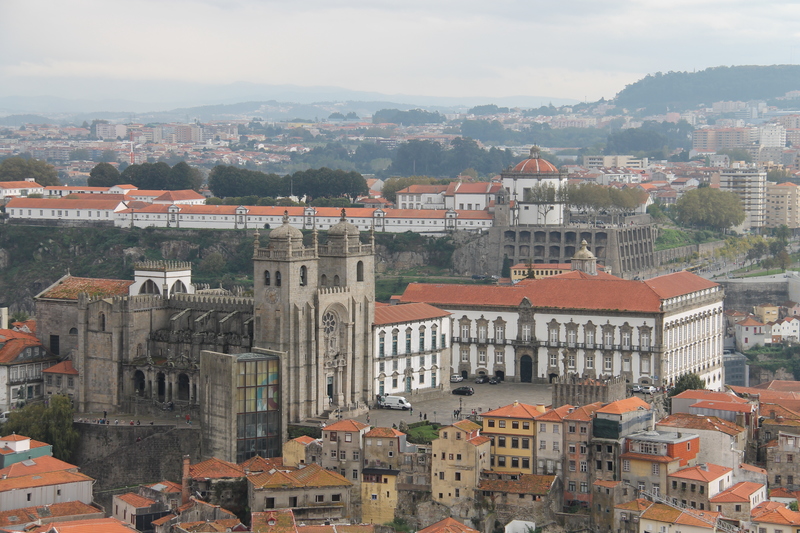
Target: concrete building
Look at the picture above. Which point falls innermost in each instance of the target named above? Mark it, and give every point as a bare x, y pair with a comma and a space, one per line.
589, 323
782, 205
343, 448
750, 185
649, 457
721, 442
18, 448
512, 431
694, 486
735, 369
783, 460
421, 197
578, 456
22, 361
549, 451
615, 161
739, 500
302, 450
458, 457
611, 424
412, 347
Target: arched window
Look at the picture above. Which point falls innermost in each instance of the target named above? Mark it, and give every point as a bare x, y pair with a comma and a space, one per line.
303, 273
360, 271
149, 287
101, 321
323, 280
73, 331
179, 287
266, 278
336, 281
277, 278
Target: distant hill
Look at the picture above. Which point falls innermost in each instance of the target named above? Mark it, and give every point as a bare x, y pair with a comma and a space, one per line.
678, 91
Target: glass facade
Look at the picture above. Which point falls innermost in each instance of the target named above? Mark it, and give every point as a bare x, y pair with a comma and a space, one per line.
258, 415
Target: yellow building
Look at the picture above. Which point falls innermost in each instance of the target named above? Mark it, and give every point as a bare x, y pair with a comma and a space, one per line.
378, 495
540, 270
302, 450
766, 312
660, 517
458, 457
512, 431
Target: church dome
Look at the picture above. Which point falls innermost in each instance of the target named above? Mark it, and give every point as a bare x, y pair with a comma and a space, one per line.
584, 253
286, 231
343, 228
535, 164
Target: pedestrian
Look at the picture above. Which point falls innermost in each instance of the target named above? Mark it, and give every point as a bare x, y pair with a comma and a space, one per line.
367, 418
425, 416
138, 439
138, 423
116, 422
188, 418
330, 400
151, 422
412, 410
105, 414
420, 416
131, 422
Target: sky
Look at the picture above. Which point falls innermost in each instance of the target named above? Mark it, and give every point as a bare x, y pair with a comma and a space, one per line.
577, 49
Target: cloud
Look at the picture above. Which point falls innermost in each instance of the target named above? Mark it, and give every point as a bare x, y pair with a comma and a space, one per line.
575, 49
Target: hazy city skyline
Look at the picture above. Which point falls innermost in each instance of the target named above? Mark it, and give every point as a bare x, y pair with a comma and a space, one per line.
145, 50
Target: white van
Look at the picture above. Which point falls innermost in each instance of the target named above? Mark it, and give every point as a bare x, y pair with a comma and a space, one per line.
395, 402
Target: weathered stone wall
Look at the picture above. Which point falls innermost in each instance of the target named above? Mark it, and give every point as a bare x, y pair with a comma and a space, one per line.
742, 295
112, 455
418, 509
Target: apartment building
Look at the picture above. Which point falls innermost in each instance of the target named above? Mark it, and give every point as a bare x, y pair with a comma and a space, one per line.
512, 430
750, 185
342, 448
783, 205
458, 457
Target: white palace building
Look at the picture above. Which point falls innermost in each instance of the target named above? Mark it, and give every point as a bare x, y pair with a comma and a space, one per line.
585, 322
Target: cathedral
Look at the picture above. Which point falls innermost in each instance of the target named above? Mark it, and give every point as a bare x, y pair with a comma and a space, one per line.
139, 345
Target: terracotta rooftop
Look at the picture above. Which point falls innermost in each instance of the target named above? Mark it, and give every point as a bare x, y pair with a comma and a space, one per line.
279, 521
780, 385
213, 526
338, 528
466, 425
215, 469
131, 498
19, 185
346, 425
304, 440
704, 394
385, 433
709, 423
774, 513
448, 525
27, 515
624, 406
697, 473
639, 504
94, 525
29, 467
555, 415
740, 492
64, 367
260, 464
69, 287
397, 314
516, 410
724, 406
13, 343
167, 487
176, 196
312, 475
584, 413
525, 484
691, 517
44, 479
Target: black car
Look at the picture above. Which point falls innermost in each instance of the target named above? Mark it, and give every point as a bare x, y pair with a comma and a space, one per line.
482, 379
494, 381
464, 391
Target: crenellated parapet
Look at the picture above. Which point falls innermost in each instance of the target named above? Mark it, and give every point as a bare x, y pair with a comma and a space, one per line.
162, 266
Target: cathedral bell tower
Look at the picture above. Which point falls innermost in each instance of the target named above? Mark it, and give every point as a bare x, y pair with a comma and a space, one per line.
316, 303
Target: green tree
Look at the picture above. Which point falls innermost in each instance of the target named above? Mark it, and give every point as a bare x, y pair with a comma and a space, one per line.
213, 263
783, 233
686, 382
20, 169
104, 175
108, 156
52, 424
736, 154
758, 250
392, 185
506, 271
711, 208
182, 176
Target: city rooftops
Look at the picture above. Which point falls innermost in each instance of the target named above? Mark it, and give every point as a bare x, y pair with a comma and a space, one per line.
669, 437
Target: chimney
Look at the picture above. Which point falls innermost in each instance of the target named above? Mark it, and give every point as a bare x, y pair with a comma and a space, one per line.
3, 317
185, 481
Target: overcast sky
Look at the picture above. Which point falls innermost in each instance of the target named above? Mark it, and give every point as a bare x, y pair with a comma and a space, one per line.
581, 49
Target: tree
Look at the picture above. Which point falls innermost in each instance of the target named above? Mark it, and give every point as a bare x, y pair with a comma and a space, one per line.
182, 176
686, 382
783, 260
710, 208
783, 233
506, 270
108, 156
736, 154
52, 424
758, 250
213, 264
392, 185
104, 175
81, 154
20, 169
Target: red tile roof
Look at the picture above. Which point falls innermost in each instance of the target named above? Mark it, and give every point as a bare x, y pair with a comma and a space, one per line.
774, 513
68, 288
624, 406
448, 525
698, 473
305, 440
94, 525
709, 423
346, 425
43, 479
466, 425
213, 526
525, 484
515, 410
584, 413
703, 394
215, 469
412, 312
279, 521
19, 185
27, 515
29, 467
13, 343
639, 504
131, 498
740, 492
64, 367
573, 290
312, 475
384, 433
63, 203
166, 487
724, 406
177, 196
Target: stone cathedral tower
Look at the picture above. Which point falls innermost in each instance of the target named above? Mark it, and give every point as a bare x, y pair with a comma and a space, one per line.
316, 304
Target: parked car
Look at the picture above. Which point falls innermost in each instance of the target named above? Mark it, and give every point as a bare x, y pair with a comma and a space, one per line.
464, 391
649, 390
456, 378
494, 381
482, 379
636, 388
394, 402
